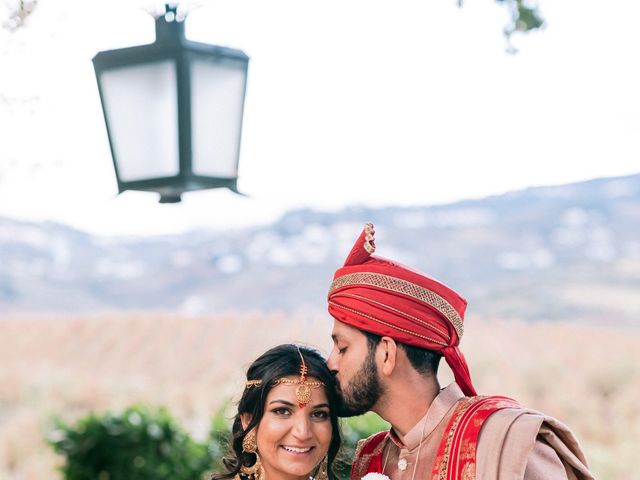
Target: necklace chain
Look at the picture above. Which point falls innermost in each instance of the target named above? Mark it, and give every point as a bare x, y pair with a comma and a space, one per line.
415, 465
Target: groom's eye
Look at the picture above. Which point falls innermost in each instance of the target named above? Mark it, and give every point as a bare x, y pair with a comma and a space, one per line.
342, 350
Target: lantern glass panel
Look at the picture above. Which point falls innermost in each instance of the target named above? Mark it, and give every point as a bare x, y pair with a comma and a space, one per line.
217, 98
141, 107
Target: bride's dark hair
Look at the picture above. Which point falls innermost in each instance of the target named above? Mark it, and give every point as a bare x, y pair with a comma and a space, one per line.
280, 361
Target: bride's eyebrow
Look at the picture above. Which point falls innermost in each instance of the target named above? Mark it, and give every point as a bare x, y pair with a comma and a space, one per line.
321, 405
281, 401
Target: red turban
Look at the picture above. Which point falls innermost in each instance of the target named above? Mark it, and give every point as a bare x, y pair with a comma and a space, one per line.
382, 297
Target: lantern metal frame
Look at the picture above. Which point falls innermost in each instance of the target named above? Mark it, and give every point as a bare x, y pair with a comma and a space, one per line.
171, 44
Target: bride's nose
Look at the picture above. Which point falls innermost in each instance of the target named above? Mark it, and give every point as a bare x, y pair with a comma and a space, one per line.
302, 427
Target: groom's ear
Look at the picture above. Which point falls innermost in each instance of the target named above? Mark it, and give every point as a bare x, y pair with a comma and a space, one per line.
387, 350
245, 418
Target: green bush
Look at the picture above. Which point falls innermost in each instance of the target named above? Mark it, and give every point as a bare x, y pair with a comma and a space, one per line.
138, 444
219, 438
357, 428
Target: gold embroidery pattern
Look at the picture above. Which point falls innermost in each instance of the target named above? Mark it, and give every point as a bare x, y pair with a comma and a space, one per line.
359, 468
467, 451
359, 447
395, 327
466, 454
469, 472
442, 470
359, 465
406, 288
399, 312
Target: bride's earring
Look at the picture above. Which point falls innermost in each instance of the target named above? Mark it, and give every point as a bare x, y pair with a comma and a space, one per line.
250, 445
321, 474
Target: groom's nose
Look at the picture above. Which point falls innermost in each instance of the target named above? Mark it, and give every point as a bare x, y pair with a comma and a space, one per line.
332, 364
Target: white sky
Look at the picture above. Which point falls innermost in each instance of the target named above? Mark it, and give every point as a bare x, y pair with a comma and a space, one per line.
402, 102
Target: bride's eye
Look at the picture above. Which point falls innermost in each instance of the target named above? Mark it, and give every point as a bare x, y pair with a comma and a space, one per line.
283, 411
320, 414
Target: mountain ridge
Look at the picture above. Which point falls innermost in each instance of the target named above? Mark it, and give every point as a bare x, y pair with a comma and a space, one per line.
566, 252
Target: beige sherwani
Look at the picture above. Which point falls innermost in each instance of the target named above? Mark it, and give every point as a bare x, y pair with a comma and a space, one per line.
514, 444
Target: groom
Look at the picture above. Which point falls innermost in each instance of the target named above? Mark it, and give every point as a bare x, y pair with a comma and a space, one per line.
392, 326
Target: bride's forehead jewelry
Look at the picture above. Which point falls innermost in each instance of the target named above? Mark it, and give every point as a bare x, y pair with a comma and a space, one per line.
304, 386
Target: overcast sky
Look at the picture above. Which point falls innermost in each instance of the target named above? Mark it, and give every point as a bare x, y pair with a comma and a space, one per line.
370, 102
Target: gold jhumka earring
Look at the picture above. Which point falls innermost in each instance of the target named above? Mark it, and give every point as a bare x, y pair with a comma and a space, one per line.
304, 386
250, 445
321, 473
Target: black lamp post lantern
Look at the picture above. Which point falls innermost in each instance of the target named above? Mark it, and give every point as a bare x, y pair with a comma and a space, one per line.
173, 111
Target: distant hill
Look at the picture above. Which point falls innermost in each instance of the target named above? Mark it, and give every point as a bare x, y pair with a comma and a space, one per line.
568, 252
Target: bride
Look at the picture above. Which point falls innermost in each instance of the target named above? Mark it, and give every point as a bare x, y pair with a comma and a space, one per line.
286, 427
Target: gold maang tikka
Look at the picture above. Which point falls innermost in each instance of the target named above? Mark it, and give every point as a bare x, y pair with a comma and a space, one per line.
304, 386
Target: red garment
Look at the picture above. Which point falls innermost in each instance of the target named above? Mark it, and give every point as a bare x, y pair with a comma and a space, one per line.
493, 436
456, 457
388, 299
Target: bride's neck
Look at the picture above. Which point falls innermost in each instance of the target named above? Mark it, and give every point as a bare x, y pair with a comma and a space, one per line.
283, 476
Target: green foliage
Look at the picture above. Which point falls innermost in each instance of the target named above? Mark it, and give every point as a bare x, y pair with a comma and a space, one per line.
219, 438
138, 444
525, 17
356, 428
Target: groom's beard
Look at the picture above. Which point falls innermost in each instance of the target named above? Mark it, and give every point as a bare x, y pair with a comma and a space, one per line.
363, 391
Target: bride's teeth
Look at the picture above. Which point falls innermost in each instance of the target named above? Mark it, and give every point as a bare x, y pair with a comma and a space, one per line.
297, 450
